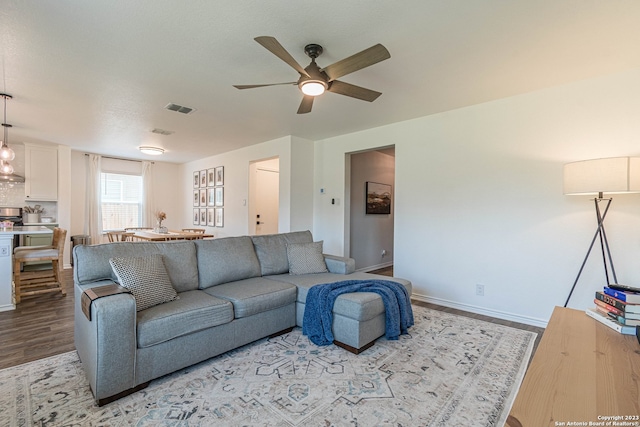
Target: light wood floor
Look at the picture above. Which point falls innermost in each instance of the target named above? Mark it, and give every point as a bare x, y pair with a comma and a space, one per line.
42, 326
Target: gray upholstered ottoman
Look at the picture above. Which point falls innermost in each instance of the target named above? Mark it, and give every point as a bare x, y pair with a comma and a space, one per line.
358, 318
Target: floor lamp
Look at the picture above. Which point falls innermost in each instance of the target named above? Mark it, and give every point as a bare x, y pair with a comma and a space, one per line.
595, 177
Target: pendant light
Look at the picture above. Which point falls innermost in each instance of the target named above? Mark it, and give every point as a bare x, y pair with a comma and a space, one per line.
6, 153
5, 168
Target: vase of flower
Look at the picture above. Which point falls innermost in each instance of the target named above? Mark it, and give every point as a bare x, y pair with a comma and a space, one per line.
160, 216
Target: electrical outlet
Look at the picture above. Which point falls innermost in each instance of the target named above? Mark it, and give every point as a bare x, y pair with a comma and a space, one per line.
480, 290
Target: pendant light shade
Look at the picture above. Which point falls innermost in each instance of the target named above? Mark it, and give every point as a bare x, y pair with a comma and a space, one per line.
6, 168
6, 153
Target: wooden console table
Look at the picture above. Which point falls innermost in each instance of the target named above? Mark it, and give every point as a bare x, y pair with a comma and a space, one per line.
582, 372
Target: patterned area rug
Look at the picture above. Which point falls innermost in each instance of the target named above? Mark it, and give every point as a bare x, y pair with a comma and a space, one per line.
450, 371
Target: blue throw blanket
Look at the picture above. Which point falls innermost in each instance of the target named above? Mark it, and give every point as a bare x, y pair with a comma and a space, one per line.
318, 312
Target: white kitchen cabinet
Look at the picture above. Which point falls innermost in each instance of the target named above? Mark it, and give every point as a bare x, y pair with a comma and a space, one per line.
41, 172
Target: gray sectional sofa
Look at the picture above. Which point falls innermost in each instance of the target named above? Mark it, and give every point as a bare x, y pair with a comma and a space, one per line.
232, 291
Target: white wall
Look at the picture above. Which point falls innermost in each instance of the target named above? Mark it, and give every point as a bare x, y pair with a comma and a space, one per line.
296, 200
479, 197
370, 234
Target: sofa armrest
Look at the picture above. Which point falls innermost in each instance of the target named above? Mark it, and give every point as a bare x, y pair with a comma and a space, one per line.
106, 344
340, 265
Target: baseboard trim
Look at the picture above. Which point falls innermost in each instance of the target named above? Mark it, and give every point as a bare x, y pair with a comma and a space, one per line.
512, 317
375, 267
7, 307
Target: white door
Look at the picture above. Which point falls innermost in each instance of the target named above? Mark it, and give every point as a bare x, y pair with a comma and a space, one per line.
267, 199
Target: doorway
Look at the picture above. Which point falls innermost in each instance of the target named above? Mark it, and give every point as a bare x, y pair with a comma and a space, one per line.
371, 235
264, 196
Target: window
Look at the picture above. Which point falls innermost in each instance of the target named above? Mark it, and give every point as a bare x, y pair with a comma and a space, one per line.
121, 201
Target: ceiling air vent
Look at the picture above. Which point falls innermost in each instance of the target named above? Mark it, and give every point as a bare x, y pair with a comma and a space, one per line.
179, 108
162, 131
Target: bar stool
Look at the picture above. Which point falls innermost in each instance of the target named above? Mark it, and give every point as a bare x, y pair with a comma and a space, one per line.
44, 281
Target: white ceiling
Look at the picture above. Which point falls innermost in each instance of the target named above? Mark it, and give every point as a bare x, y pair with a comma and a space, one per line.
96, 75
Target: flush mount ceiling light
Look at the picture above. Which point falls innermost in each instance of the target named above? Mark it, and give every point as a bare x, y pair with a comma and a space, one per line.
6, 153
154, 151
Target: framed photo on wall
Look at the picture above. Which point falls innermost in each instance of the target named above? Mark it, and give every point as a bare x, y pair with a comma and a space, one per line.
196, 179
378, 198
196, 197
211, 217
196, 217
211, 177
219, 196
219, 217
220, 175
203, 197
211, 197
203, 216
203, 178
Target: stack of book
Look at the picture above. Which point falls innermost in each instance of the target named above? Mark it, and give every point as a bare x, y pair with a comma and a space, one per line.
618, 307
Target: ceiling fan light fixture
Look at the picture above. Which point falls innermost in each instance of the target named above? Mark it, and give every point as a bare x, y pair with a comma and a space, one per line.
313, 87
154, 151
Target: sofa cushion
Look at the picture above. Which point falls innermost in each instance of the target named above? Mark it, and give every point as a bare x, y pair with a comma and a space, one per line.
253, 296
226, 260
92, 261
147, 279
306, 258
194, 311
271, 250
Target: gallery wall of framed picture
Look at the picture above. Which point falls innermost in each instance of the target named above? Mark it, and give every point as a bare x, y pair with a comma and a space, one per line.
208, 197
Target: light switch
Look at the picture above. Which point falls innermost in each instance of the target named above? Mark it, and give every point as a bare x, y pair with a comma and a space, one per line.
4, 250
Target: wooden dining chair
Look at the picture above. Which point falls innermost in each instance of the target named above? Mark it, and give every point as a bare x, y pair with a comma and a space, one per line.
119, 236
40, 281
194, 230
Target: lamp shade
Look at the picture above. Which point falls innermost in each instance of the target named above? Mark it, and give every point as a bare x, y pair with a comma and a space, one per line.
610, 175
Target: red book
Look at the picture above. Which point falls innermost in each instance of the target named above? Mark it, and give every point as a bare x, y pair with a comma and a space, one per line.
609, 308
626, 308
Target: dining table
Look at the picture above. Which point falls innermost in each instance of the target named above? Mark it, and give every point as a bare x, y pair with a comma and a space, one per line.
153, 236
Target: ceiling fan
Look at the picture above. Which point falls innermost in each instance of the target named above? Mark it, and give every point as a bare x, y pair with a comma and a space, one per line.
315, 81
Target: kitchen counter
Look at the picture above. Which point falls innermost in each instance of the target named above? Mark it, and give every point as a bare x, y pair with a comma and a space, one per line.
46, 224
25, 229
6, 260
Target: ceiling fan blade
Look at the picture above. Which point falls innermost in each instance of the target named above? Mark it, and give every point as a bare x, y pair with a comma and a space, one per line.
306, 104
353, 91
273, 46
270, 84
356, 62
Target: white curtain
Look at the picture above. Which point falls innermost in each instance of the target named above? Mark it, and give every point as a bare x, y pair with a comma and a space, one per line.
93, 210
148, 210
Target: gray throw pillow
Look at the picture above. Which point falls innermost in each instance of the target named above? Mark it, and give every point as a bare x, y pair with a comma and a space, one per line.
306, 258
147, 279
